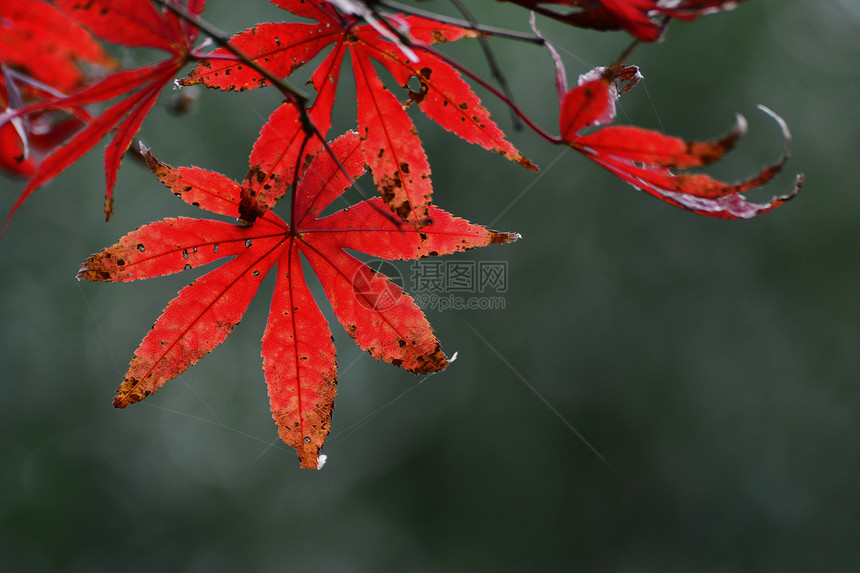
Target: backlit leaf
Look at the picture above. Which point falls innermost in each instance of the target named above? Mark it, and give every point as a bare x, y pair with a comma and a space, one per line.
393, 151
298, 354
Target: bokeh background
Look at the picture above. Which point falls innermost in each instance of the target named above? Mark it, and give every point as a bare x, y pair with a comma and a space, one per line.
662, 392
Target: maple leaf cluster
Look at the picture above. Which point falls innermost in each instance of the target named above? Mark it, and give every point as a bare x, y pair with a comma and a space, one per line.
392, 149
129, 23
62, 94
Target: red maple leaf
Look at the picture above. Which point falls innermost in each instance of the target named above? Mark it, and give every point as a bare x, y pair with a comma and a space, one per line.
391, 147
638, 17
646, 159
134, 23
13, 155
43, 52
298, 354
42, 42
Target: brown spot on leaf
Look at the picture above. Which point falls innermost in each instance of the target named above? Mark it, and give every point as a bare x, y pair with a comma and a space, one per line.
525, 163
403, 210
129, 392
93, 270
434, 361
256, 173
497, 237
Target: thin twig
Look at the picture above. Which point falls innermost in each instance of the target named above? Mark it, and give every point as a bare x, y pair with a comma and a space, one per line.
488, 30
496, 92
294, 95
495, 69
560, 74
626, 53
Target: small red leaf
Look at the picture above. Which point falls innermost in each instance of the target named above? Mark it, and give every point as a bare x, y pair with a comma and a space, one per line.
279, 48
125, 22
373, 310
273, 162
391, 147
194, 323
164, 248
325, 180
430, 32
447, 99
205, 189
71, 151
655, 148
12, 156
590, 103
299, 362
320, 11
364, 227
126, 130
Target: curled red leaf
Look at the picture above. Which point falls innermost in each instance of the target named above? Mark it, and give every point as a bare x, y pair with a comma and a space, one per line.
648, 159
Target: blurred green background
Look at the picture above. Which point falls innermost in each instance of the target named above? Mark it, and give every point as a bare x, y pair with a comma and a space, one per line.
713, 364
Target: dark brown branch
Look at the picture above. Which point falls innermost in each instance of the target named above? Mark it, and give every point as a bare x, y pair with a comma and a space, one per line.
495, 69
294, 95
